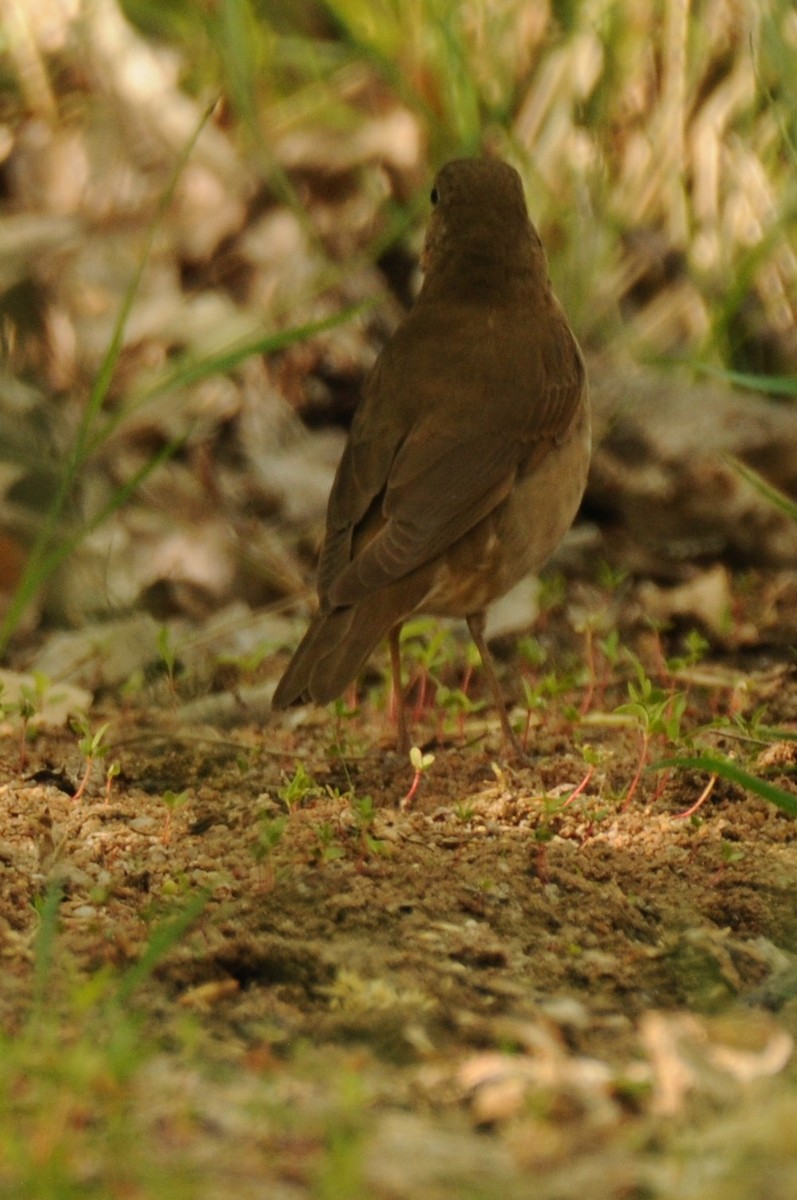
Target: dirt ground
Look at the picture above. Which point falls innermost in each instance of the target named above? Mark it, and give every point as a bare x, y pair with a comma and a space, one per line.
526, 980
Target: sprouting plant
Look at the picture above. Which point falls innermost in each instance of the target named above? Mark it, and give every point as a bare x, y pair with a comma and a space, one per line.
537, 694
611, 650
657, 714
610, 577
269, 835
428, 650
26, 709
297, 789
729, 853
725, 768
428, 644
746, 726
327, 850
173, 801
545, 832
364, 811
587, 625
553, 590
592, 757
457, 704
92, 748
248, 663
111, 773
344, 714
695, 648
29, 701
532, 651
168, 656
420, 763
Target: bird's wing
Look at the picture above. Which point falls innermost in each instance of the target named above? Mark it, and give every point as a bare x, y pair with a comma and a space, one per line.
436, 491
355, 499
401, 499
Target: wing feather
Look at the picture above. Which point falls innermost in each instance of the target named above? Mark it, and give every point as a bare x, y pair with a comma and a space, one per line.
414, 479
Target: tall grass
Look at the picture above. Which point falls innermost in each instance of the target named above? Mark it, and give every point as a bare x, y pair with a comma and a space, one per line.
657, 141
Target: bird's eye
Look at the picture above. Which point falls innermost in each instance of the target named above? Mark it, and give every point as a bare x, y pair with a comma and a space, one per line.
434, 196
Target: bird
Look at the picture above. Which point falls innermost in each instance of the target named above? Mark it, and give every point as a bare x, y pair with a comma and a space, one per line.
468, 453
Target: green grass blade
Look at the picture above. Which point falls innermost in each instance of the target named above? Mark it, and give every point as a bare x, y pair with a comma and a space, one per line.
190, 370
52, 557
45, 944
161, 940
726, 769
774, 495
777, 735
775, 385
36, 570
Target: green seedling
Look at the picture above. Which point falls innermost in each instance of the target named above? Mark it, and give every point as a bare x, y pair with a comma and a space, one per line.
91, 746
601, 658
29, 703
729, 853
696, 646
587, 625
299, 788
249, 663
456, 704
364, 811
168, 656
269, 835
327, 850
748, 727
113, 770
428, 645
420, 764
552, 593
428, 651
610, 648
609, 577
344, 714
537, 694
173, 802
657, 714
532, 651
26, 709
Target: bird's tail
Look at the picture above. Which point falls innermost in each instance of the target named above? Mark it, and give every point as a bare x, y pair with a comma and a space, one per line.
331, 654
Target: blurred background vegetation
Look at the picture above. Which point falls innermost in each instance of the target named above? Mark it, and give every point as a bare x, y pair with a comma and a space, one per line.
268, 162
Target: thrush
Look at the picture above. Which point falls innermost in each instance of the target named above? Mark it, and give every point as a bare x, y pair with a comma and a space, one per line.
468, 454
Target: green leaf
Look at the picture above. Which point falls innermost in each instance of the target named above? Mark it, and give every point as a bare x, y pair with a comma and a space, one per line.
161, 940
726, 769
775, 385
774, 495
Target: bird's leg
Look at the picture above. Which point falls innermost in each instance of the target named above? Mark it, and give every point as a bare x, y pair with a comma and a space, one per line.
403, 737
512, 744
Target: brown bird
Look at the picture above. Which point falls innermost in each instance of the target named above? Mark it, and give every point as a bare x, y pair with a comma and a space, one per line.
468, 455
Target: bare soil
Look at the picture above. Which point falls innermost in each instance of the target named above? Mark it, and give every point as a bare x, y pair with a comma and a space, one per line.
535, 979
